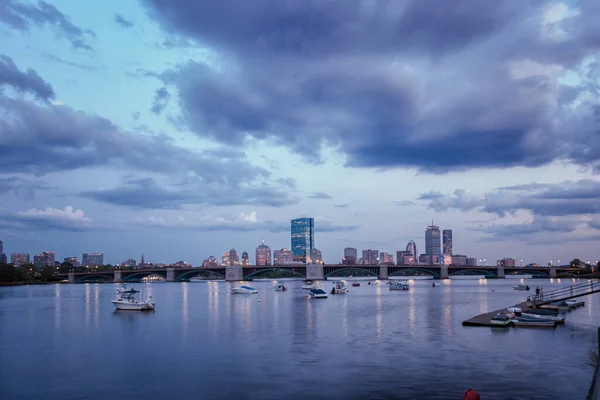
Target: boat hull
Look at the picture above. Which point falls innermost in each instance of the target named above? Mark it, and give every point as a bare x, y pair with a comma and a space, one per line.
243, 291
548, 318
122, 305
534, 324
501, 323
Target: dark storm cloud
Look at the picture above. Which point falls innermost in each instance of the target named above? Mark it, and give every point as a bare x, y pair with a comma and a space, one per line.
28, 81
124, 23
319, 196
391, 83
547, 200
160, 100
23, 16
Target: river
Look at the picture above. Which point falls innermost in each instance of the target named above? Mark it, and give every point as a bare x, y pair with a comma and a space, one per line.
68, 342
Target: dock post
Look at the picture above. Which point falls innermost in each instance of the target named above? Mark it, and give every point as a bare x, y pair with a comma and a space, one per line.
117, 276
71, 277
170, 274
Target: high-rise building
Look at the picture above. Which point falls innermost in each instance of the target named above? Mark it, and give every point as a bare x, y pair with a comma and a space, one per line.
263, 254
3, 258
210, 262
405, 258
1, 247
18, 259
447, 241
245, 259
386, 258
72, 260
92, 259
130, 262
234, 258
432, 241
350, 256
412, 248
303, 238
472, 261
225, 259
283, 257
46, 259
370, 257
316, 257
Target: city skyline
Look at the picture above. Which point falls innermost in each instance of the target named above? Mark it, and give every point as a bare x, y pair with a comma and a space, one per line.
129, 127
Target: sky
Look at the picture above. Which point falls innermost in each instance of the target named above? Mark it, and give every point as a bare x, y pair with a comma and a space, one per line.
182, 128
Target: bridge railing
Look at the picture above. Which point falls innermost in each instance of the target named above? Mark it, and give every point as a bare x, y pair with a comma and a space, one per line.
580, 289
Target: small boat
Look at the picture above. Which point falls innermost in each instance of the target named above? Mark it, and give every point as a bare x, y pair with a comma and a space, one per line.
501, 320
339, 287
575, 303
515, 309
372, 283
398, 286
535, 317
563, 306
533, 324
280, 287
244, 290
543, 311
308, 284
317, 293
127, 299
521, 287
355, 284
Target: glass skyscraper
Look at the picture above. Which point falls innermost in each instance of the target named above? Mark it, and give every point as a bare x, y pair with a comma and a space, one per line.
303, 238
433, 245
447, 241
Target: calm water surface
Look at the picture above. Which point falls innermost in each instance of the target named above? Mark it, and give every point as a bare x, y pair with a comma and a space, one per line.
68, 342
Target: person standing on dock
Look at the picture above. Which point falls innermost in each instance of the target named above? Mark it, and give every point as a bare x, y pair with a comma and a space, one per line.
537, 293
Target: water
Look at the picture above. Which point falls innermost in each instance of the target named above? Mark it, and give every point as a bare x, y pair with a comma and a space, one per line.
68, 342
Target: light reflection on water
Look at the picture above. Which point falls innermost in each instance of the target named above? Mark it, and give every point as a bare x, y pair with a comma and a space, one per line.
369, 343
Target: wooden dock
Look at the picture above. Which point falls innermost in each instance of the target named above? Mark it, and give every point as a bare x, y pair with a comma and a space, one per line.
484, 319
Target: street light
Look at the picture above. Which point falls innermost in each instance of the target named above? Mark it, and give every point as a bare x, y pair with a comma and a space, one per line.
520, 263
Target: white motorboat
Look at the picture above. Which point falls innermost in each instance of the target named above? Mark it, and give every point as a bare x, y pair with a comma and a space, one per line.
280, 287
501, 320
372, 283
533, 324
536, 317
339, 287
127, 299
308, 284
399, 286
317, 293
575, 303
521, 287
244, 290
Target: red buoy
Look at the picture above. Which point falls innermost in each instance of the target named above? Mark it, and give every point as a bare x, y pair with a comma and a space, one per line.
471, 394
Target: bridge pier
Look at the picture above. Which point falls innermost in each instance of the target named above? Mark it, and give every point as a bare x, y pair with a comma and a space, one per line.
170, 274
444, 272
552, 272
71, 277
234, 273
315, 272
117, 276
500, 272
383, 272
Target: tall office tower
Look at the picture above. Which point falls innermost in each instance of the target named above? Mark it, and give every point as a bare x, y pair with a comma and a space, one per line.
350, 256
245, 259
225, 259
370, 257
263, 254
303, 238
234, 258
432, 242
1, 247
46, 259
412, 248
386, 258
447, 241
92, 259
18, 259
316, 257
283, 257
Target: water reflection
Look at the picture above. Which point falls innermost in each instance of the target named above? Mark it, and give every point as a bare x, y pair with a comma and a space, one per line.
184, 310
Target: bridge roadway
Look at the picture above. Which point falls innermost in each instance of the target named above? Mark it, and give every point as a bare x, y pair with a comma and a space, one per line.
311, 271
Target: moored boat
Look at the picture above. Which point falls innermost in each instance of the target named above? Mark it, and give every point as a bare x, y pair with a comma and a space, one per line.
280, 287
308, 284
575, 303
535, 317
127, 299
533, 324
355, 284
501, 320
543, 311
398, 286
521, 287
317, 293
244, 290
339, 287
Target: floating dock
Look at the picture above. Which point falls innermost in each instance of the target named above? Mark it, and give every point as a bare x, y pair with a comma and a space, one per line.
484, 319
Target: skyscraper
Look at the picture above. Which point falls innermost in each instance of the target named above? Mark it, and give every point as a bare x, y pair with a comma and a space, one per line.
234, 258
316, 257
46, 259
245, 259
370, 257
350, 256
432, 241
283, 257
92, 259
303, 238
263, 254
447, 241
18, 259
225, 259
412, 248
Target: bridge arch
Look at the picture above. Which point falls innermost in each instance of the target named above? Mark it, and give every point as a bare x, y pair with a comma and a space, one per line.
467, 272
348, 272
94, 278
415, 271
137, 277
535, 274
203, 273
281, 272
